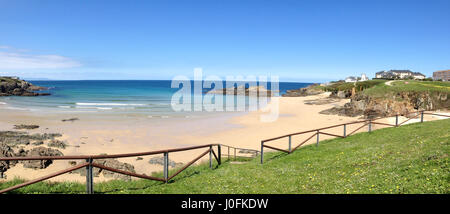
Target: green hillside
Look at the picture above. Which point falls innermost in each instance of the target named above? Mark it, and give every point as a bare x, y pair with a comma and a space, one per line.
408, 159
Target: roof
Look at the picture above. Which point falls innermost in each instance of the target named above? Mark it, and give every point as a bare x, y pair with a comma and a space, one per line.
400, 71
442, 71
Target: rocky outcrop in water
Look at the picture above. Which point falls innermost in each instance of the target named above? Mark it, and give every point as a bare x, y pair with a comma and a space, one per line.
303, 92
16, 87
259, 91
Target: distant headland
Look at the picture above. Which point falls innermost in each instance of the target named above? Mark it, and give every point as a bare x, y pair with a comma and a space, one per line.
13, 86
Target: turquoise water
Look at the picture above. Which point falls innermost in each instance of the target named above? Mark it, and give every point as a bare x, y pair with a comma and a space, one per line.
152, 97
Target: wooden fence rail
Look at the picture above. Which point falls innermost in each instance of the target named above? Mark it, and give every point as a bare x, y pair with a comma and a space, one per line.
90, 164
318, 132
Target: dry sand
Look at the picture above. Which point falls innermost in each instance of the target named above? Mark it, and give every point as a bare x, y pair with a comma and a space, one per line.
96, 134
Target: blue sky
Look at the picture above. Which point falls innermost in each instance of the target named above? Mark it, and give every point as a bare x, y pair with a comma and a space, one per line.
307, 41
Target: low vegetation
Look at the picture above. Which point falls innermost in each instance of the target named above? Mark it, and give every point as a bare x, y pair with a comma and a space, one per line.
348, 86
408, 159
402, 86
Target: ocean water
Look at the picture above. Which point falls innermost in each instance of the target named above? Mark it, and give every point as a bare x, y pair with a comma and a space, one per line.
149, 97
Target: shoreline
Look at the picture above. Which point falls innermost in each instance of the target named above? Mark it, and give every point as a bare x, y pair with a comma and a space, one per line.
93, 134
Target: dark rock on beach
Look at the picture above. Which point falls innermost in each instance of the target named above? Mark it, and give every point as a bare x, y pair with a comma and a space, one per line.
57, 144
322, 101
70, 119
37, 143
15, 138
160, 161
112, 163
22, 126
343, 111
5, 151
41, 151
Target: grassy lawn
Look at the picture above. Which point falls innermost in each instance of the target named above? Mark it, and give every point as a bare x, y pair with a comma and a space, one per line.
409, 86
408, 159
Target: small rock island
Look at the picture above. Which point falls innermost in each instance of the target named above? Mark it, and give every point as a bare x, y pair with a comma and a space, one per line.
13, 86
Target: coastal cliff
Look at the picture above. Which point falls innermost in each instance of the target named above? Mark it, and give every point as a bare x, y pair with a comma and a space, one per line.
401, 103
376, 98
16, 87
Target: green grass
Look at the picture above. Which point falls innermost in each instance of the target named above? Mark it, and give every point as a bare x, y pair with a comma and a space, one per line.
430, 87
5, 79
348, 86
408, 159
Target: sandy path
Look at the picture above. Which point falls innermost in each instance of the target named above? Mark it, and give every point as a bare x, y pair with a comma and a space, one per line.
389, 83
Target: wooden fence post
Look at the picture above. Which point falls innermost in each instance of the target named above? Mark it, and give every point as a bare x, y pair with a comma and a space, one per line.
317, 143
290, 144
210, 157
89, 177
166, 166
345, 130
262, 152
219, 153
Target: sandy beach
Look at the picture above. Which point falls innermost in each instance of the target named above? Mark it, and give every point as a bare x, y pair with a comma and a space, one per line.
113, 134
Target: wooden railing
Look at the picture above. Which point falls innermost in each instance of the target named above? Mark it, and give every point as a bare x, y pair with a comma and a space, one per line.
317, 132
89, 164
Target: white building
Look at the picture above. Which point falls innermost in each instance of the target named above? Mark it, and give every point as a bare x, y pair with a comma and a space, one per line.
351, 79
399, 74
357, 79
364, 77
418, 76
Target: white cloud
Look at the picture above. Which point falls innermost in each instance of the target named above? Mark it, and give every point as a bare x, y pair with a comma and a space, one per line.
10, 60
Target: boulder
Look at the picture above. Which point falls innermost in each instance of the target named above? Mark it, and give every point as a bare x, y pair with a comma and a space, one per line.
14, 138
112, 163
160, 161
343, 94
57, 144
5, 151
41, 151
